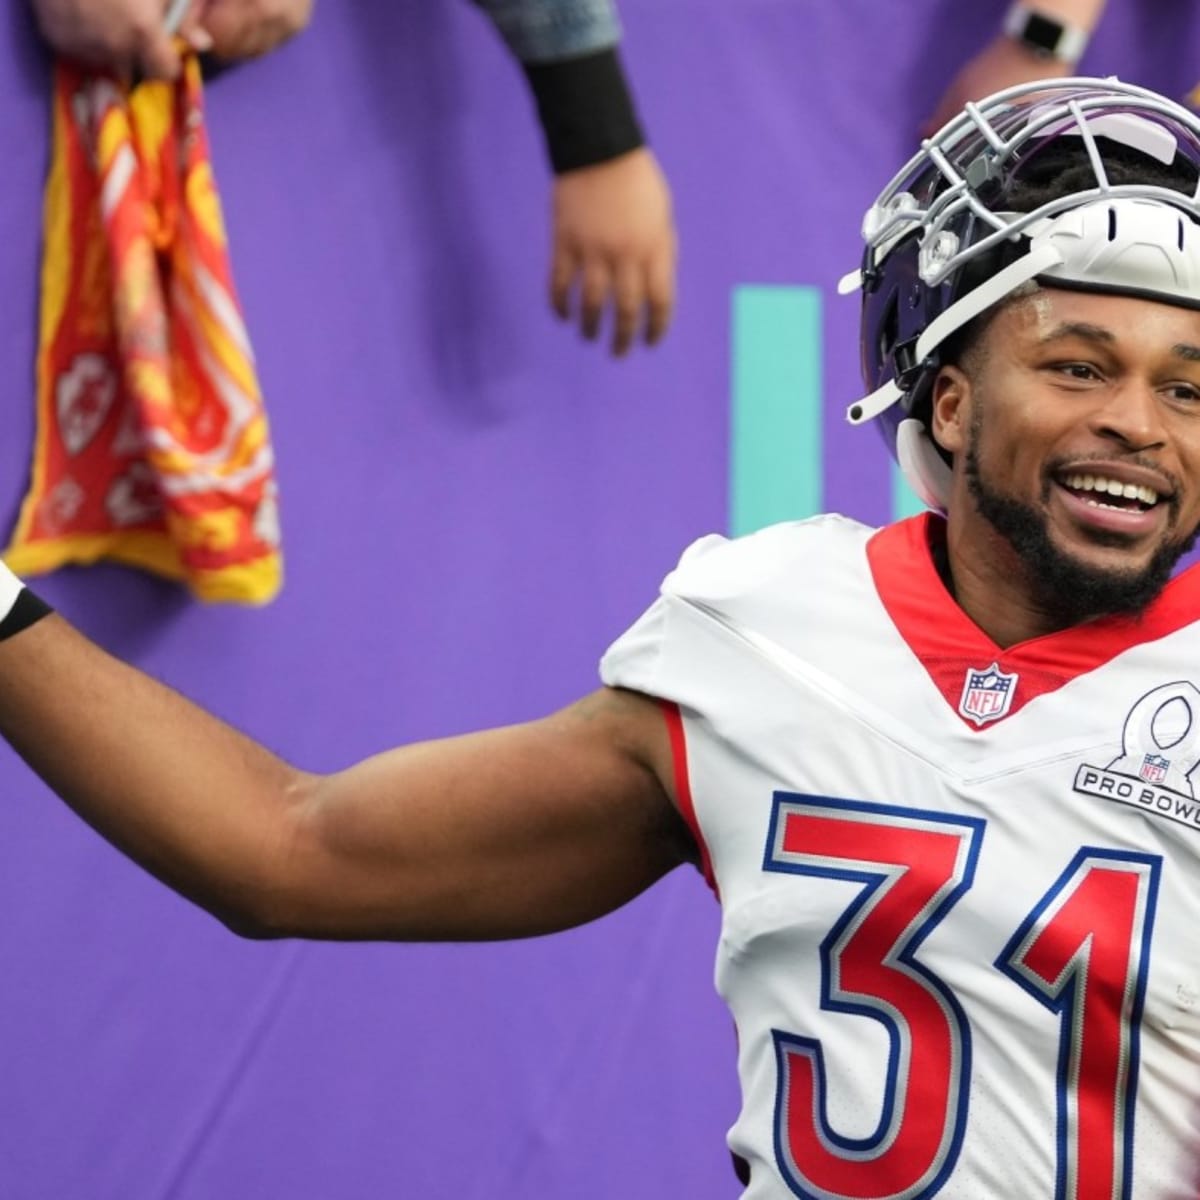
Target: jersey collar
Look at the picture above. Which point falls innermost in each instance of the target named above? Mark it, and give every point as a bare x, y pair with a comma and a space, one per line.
950, 646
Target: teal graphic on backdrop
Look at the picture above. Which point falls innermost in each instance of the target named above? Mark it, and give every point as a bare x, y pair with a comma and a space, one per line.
776, 429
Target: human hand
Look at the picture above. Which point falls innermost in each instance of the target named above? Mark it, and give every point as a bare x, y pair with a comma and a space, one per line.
1002, 63
250, 28
127, 37
614, 244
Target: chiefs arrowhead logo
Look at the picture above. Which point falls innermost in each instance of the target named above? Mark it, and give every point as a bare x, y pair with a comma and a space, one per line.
83, 399
134, 498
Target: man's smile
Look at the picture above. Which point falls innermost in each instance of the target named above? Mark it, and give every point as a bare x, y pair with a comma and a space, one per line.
1115, 498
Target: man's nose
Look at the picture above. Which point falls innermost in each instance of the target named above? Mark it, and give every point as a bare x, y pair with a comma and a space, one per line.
1133, 414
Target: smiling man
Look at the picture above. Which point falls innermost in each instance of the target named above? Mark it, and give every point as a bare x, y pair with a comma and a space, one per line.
939, 775
1077, 418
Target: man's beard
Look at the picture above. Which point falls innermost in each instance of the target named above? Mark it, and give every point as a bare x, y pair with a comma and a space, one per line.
1067, 590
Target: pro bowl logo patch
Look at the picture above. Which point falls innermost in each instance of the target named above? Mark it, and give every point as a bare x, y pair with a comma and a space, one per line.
987, 695
1160, 749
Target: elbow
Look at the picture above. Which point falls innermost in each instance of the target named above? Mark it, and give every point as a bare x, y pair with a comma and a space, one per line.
252, 918
271, 901
273, 920
252, 927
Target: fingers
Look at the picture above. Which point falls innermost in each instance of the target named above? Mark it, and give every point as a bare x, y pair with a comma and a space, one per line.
176, 14
156, 54
641, 297
192, 28
628, 295
585, 290
563, 269
234, 34
660, 293
251, 28
593, 296
632, 286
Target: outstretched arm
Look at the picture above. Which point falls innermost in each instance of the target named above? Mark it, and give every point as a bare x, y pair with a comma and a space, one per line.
506, 833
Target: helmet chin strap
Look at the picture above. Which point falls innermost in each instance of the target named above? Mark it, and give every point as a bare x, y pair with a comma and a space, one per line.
1122, 245
1036, 262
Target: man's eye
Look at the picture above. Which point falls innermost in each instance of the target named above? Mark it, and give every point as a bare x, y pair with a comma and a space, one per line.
1184, 393
1076, 370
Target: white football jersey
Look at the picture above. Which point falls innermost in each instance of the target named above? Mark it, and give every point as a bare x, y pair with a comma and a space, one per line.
957, 882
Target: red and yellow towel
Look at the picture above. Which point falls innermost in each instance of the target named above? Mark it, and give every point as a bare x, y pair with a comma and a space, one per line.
152, 445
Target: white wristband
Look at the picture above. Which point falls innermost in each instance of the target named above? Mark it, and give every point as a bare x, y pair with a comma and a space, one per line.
19, 607
10, 589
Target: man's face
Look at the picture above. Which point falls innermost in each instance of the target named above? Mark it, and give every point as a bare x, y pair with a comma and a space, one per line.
1075, 425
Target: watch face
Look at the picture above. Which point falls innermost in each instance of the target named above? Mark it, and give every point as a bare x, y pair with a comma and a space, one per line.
1041, 33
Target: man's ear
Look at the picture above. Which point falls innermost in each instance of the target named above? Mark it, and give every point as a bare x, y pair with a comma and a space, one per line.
951, 414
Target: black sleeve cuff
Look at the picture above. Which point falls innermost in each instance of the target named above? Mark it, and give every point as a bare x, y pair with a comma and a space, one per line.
585, 108
27, 609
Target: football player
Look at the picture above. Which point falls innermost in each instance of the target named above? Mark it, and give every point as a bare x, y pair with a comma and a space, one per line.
940, 774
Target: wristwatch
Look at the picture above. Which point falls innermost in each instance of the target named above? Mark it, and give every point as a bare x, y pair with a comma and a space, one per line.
1045, 36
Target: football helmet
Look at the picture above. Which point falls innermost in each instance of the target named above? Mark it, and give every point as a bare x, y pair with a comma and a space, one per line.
960, 227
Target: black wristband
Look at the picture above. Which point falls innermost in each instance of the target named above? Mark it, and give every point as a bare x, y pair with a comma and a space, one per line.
27, 610
585, 108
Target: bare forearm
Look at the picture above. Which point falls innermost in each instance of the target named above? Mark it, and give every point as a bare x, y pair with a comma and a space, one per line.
193, 801
504, 833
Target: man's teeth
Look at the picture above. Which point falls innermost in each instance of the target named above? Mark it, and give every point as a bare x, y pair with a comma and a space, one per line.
1111, 487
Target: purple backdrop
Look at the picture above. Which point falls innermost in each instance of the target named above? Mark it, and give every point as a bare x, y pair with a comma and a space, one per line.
474, 504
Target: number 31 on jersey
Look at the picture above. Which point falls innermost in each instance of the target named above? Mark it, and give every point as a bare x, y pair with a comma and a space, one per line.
1082, 952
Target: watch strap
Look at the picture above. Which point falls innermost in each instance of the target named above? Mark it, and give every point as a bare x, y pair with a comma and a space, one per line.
1045, 35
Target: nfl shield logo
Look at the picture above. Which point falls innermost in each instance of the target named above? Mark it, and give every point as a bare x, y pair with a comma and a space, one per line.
1154, 768
987, 695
